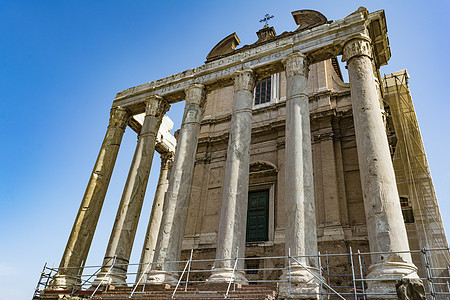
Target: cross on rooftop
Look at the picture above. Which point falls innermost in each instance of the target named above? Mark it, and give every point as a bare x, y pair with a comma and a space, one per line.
266, 19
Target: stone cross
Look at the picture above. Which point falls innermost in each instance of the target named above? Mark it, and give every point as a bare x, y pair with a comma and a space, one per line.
266, 19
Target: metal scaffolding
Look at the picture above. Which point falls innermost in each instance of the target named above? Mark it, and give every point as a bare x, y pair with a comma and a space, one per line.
348, 283
417, 196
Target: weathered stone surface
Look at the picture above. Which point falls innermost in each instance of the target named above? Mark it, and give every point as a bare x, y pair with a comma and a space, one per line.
233, 214
410, 289
385, 226
122, 237
225, 46
154, 223
307, 18
301, 235
80, 239
168, 247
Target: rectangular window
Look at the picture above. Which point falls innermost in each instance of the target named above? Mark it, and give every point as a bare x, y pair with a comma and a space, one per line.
407, 210
258, 216
263, 91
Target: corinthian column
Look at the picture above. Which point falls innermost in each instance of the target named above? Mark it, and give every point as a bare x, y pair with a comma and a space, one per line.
233, 213
168, 246
156, 215
385, 227
301, 231
118, 252
83, 229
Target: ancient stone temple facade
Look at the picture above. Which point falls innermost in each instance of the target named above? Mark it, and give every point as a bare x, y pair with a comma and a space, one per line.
276, 157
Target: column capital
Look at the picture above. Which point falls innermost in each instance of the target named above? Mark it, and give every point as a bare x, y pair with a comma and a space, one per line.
244, 80
167, 159
195, 94
296, 63
156, 106
119, 117
360, 46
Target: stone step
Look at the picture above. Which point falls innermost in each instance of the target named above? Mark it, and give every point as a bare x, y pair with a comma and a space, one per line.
199, 292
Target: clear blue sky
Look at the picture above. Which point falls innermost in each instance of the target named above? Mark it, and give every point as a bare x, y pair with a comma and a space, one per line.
62, 62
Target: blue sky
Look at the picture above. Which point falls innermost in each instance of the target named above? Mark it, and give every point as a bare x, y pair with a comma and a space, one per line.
62, 62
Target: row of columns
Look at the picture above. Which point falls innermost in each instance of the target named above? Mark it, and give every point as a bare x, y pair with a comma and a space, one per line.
383, 213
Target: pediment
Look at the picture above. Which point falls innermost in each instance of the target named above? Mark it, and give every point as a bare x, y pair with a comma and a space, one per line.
225, 46
307, 18
262, 166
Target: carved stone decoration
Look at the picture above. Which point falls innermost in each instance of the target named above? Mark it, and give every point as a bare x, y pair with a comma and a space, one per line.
357, 47
119, 117
295, 64
307, 18
262, 166
410, 289
225, 46
156, 106
244, 80
195, 94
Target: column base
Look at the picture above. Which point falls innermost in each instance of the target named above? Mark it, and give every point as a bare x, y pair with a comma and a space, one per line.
303, 285
384, 276
227, 276
62, 282
104, 279
161, 277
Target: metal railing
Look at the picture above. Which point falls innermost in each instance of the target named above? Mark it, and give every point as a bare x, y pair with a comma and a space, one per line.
341, 275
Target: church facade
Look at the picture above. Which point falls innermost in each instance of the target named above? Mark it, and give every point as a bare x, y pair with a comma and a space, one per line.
277, 157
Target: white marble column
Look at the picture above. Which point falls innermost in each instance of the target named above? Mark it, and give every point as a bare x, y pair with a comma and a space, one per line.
170, 237
83, 229
156, 215
233, 213
301, 231
385, 226
127, 218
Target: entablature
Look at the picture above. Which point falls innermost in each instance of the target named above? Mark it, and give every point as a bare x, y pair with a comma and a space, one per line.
318, 43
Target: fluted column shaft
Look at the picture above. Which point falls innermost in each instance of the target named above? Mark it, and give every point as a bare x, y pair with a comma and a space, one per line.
154, 223
233, 214
85, 224
170, 237
127, 218
385, 227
